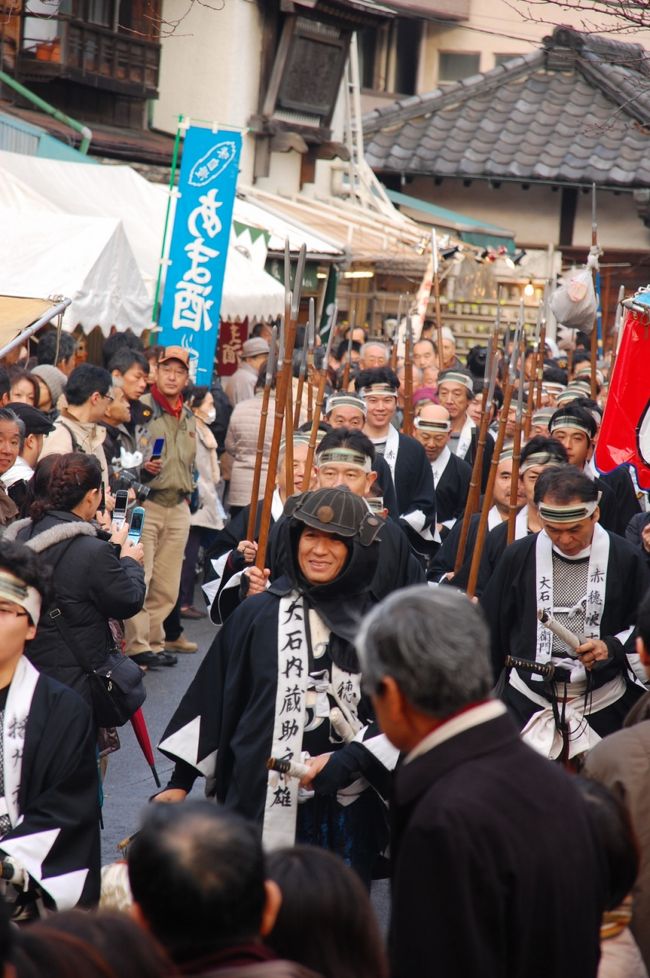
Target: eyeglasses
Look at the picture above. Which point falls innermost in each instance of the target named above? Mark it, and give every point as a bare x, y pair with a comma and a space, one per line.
12, 611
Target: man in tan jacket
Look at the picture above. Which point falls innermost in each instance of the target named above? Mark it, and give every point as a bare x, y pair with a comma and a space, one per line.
167, 513
77, 429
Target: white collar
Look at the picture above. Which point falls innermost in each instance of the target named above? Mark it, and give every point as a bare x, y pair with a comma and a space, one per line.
440, 464
277, 506
465, 721
494, 518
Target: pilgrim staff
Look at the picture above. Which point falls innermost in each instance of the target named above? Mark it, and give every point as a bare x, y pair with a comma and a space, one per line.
261, 435
311, 339
436, 296
489, 489
474, 494
283, 381
320, 396
516, 444
407, 425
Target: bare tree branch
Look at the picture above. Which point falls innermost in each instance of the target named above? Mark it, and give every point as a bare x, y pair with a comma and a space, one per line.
613, 16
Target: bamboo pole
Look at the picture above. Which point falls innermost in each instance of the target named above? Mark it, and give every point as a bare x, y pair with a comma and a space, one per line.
348, 362
474, 493
261, 436
283, 380
320, 395
288, 413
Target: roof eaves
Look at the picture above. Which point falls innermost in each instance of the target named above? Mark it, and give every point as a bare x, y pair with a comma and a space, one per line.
421, 105
626, 97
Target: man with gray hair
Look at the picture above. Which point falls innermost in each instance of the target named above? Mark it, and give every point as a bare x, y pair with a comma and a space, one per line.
479, 820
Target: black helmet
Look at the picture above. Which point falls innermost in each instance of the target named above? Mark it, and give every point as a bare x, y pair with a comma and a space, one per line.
337, 511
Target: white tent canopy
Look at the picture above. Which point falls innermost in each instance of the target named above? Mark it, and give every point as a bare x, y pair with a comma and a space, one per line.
119, 193
87, 258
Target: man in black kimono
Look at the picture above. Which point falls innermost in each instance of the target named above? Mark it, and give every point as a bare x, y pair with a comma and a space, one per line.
49, 794
455, 391
451, 474
282, 680
589, 581
406, 458
576, 428
495, 870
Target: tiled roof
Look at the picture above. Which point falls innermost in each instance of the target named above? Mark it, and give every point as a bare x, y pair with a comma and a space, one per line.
575, 111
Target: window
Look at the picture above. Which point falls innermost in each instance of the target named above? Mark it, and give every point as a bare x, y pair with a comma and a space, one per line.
455, 65
407, 55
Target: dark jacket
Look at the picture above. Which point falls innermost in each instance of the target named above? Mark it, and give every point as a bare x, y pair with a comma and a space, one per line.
91, 585
496, 872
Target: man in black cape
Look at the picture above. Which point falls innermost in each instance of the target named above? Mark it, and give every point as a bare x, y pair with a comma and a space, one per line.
590, 582
282, 680
49, 793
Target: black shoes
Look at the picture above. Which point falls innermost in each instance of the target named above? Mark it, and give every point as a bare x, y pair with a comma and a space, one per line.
154, 659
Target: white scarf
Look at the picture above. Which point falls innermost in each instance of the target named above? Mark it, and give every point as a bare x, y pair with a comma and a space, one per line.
439, 465
465, 439
594, 599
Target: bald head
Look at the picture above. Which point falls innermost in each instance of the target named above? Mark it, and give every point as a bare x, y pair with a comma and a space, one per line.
430, 430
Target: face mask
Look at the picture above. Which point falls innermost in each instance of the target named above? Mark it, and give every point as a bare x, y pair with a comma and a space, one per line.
210, 416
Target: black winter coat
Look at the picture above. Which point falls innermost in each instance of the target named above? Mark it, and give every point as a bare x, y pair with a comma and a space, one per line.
91, 585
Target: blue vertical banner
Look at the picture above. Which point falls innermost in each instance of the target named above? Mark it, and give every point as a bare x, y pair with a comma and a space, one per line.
198, 251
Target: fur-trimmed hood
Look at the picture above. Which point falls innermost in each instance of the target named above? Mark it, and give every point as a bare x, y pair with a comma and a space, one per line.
59, 533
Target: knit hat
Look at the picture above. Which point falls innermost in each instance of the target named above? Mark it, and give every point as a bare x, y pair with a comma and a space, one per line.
53, 377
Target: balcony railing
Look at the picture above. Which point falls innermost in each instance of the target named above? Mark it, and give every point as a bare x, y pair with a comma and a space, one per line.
64, 48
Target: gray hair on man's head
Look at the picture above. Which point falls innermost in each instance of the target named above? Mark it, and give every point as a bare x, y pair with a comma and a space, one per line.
433, 642
366, 346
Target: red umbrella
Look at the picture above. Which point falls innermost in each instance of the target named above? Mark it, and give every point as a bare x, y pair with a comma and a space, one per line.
140, 728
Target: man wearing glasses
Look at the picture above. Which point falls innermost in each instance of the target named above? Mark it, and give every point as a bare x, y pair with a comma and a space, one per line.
88, 393
167, 512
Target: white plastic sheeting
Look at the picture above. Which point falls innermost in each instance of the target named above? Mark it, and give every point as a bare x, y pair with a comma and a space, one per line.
45, 253
119, 193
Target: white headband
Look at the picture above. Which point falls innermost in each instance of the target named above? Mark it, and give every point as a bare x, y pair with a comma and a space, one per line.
15, 591
567, 514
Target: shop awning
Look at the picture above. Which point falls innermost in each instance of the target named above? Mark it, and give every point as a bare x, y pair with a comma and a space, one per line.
479, 233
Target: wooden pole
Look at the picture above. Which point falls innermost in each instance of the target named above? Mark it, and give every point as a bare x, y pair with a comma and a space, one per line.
395, 347
346, 369
320, 396
489, 492
436, 296
311, 341
594, 332
474, 493
516, 445
261, 436
407, 426
301, 384
283, 380
288, 415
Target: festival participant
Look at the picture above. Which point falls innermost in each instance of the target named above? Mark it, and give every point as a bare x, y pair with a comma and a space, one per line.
347, 410
539, 422
276, 682
449, 359
406, 458
536, 456
477, 816
49, 814
445, 559
199, 882
451, 474
455, 391
591, 582
424, 354
576, 428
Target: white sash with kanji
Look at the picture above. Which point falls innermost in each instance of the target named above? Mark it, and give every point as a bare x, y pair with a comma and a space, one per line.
281, 806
